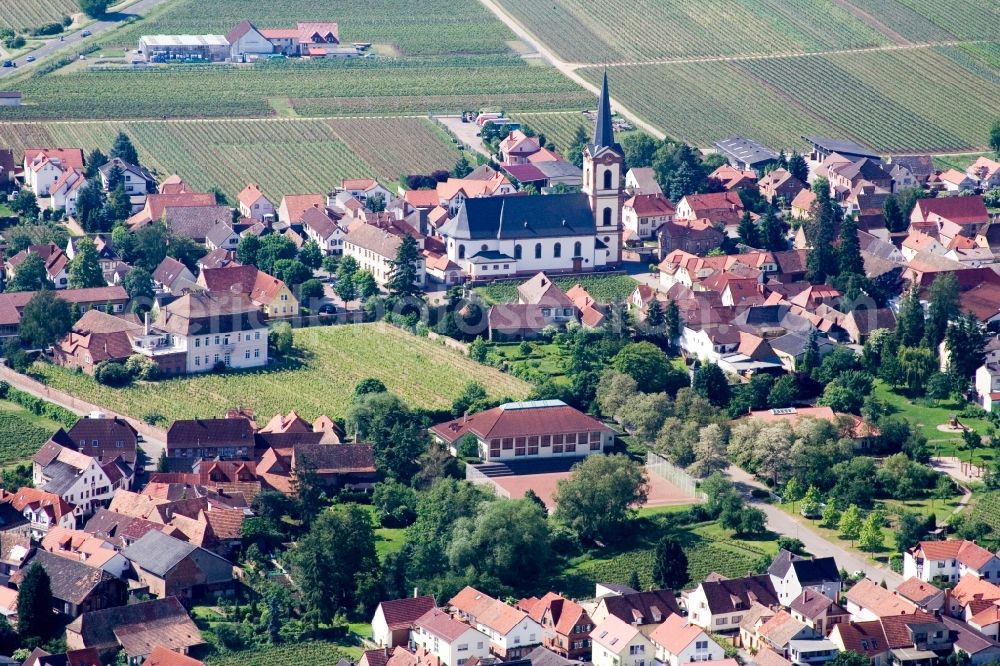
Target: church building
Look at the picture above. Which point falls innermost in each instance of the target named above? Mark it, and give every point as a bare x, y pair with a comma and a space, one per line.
503, 236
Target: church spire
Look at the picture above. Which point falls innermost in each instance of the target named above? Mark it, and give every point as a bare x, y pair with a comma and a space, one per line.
604, 133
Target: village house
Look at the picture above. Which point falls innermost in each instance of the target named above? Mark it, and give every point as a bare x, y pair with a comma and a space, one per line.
528, 430
77, 587
270, 294
77, 477
56, 264
725, 208
617, 643
324, 230
729, 177
718, 604
227, 439
375, 249
138, 629
641, 180
65, 192
161, 656
903, 640
43, 510
43, 167
950, 560
393, 620
677, 642
293, 205
818, 611
96, 337
642, 609
954, 180
566, 626
540, 304
450, 641
691, 236
173, 277
165, 207
922, 594
779, 184
966, 212
170, 567
136, 180
981, 648
985, 172
791, 574
643, 214
93, 551
867, 600
365, 189
823, 147
512, 633
254, 205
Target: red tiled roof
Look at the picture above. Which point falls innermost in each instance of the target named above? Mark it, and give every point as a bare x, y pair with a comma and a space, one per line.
961, 210
966, 552
650, 204
161, 656
402, 613
520, 419
250, 195
442, 625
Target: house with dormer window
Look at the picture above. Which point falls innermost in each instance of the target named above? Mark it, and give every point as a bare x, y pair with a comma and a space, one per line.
718, 604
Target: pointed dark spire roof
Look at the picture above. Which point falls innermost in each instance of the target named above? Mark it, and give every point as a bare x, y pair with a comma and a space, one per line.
604, 132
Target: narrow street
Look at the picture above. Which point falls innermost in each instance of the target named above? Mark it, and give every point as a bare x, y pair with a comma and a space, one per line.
786, 525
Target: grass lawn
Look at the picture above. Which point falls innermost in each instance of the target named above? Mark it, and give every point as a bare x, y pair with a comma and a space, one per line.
604, 288
21, 433
942, 510
708, 547
546, 361
321, 380
960, 161
927, 418
387, 539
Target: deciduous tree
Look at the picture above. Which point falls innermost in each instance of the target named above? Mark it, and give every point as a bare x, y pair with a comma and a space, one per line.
85, 268
35, 617
598, 498
45, 319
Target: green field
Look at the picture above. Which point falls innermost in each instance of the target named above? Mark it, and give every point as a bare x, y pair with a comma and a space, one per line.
604, 288
986, 509
428, 27
333, 359
301, 653
283, 156
356, 87
21, 433
581, 31
20, 14
931, 20
708, 548
935, 99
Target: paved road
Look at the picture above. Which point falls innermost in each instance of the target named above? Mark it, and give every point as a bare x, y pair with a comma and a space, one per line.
155, 440
73, 40
466, 133
784, 524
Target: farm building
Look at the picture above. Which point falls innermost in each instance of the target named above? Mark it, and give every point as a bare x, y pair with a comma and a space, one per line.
160, 48
746, 154
10, 98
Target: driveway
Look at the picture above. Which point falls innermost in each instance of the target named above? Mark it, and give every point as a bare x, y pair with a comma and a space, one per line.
464, 132
73, 40
786, 525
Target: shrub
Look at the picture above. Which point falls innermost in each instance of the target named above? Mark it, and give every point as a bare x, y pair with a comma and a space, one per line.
140, 367
110, 373
153, 418
219, 367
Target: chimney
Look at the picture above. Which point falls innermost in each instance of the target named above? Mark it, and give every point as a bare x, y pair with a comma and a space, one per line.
146, 323
416, 592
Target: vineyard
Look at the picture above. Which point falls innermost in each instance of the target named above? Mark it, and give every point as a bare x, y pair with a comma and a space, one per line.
365, 87
332, 360
282, 156
987, 510
893, 101
20, 14
604, 288
429, 27
21, 433
587, 32
931, 20
300, 653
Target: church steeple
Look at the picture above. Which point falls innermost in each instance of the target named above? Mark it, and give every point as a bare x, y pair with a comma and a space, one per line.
604, 132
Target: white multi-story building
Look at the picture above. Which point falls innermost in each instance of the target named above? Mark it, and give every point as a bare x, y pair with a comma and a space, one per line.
615, 643
76, 477
948, 561
451, 641
202, 329
375, 248
511, 632
677, 642
43, 167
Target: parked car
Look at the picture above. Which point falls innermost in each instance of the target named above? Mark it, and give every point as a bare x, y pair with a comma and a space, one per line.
30, 58
8, 63
328, 309
85, 33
